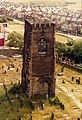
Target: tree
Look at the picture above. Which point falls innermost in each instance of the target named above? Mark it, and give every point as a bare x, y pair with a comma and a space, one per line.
69, 52
15, 40
77, 50
3, 19
60, 48
72, 50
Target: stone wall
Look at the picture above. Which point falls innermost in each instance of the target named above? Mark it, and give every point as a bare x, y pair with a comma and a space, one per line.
42, 64
38, 59
9, 52
73, 67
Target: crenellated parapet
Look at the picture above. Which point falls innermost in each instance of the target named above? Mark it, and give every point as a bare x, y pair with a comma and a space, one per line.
39, 25
46, 25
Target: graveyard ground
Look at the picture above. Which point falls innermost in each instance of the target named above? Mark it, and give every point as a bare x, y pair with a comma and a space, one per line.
69, 93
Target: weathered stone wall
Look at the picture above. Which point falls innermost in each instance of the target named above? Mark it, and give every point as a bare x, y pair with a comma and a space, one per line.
43, 64
9, 52
38, 69
38, 88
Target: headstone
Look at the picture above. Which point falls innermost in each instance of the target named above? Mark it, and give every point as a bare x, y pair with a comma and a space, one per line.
31, 105
52, 116
30, 114
19, 82
17, 70
8, 67
62, 69
63, 107
17, 110
11, 83
47, 96
50, 102
20, 100
42, 105
5, 72
72, 90
19, 118
63, 81
78, 118
72, 78
2, 66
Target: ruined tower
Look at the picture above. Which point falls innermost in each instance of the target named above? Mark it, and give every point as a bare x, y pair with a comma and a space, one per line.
38, 59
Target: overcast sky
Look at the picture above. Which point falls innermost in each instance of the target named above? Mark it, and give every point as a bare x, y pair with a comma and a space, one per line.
49, 2
46, 0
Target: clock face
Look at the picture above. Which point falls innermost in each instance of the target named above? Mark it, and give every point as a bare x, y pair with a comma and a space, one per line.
42, 46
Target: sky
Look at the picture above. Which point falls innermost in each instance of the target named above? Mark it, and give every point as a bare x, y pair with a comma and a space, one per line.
46, 0
49, 2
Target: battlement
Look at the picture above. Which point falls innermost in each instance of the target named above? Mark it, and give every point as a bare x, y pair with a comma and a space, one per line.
39, 24
45, 25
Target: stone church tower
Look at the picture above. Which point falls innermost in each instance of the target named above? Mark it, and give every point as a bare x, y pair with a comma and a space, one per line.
38, 59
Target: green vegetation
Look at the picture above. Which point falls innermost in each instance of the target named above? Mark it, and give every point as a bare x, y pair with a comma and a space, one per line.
77, 50
56, 101
15, 40
18, 105
9, 18
4, 19
16, 88
72, 49
60, 48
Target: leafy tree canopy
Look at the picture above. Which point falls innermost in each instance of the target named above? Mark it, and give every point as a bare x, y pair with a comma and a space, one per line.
3, 19
60, 48
72, 50
15, 40
77, 50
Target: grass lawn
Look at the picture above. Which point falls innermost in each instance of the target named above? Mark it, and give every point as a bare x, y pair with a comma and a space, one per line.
61, 38
12, 26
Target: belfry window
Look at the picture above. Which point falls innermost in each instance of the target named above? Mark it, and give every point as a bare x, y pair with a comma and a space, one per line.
42, 46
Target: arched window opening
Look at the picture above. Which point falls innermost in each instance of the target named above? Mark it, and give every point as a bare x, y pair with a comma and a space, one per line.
42, 46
